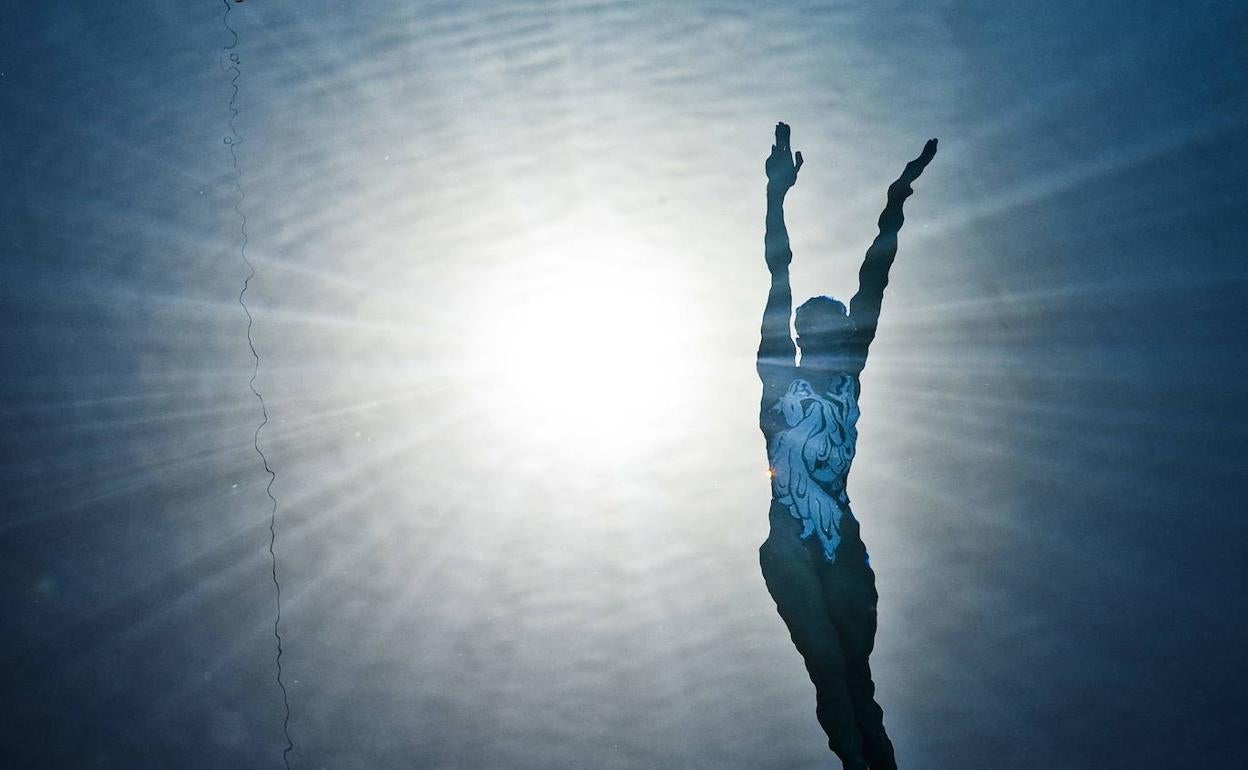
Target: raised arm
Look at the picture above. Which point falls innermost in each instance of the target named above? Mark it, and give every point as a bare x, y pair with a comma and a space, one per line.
776, 349
864, 308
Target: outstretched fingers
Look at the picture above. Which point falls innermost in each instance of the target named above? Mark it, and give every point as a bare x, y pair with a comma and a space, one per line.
781, 166
915, 167
929, 151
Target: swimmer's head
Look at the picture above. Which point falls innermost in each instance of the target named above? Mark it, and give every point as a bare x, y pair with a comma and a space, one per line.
821, 322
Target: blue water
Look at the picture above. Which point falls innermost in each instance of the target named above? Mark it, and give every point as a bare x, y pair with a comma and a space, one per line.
509, 281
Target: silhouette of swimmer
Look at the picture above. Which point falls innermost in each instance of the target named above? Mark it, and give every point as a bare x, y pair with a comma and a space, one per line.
813, 560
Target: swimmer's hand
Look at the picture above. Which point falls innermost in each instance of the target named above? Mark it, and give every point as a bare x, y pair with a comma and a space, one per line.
781, 166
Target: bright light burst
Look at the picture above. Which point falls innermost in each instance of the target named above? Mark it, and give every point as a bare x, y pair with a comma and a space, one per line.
582, 342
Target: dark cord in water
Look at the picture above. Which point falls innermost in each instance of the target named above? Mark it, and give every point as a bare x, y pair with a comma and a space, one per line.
232, 141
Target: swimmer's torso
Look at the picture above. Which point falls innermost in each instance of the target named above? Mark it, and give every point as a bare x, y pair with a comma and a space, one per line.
809, 418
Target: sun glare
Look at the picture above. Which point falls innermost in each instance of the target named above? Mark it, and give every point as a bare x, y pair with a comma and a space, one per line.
582, 341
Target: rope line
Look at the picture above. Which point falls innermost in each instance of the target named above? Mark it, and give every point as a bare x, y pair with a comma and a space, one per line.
233, 141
